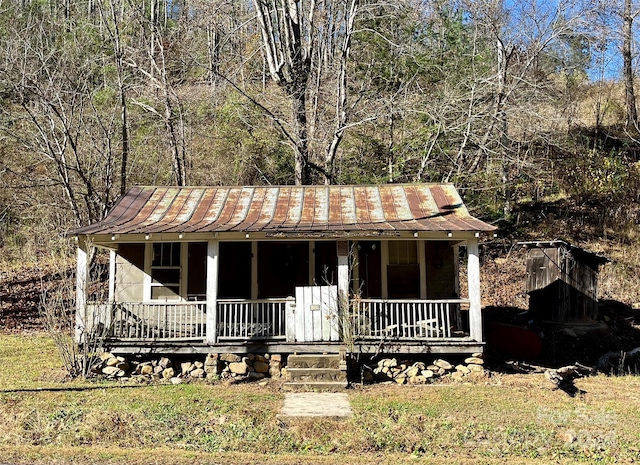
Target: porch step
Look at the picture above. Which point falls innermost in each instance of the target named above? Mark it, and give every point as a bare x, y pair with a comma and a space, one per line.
316, 372
324, 386
313, 361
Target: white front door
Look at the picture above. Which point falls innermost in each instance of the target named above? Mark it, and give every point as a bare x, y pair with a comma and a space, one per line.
316, 314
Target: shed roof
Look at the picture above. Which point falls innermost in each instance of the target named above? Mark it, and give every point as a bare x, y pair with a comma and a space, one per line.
288, 209
578, 252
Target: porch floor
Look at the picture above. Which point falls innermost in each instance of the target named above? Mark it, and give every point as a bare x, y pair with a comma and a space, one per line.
449, 346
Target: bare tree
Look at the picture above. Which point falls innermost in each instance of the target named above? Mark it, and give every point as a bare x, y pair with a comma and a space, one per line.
299, 39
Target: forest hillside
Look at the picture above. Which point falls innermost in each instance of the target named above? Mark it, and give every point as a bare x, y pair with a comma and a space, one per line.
527, 107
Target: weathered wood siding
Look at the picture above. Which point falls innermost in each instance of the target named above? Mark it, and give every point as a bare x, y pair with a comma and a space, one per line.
561, 286
129, 286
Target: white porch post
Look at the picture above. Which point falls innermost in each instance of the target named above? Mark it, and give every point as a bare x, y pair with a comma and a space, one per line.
112, 276
82, 279
473, 274
212, 291
343, 274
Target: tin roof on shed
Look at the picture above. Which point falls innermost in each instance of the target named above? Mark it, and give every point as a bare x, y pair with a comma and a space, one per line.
288, 209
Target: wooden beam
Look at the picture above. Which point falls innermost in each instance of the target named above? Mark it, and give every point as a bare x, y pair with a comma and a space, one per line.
473, 275
422, 263
254, 270
384, 259
213, 249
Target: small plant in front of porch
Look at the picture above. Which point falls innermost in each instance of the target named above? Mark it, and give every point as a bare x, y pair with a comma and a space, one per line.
79, 343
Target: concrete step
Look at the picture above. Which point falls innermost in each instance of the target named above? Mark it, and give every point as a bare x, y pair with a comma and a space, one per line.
316, 375
324, 386
314, 361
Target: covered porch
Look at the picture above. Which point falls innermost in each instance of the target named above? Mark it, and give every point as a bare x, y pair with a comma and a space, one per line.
289, 269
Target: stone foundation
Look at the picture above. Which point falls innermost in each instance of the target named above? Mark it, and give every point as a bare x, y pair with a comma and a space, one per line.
407, 372
214, 366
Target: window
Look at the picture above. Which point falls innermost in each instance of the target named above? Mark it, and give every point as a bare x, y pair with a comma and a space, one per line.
403, 253
165, 270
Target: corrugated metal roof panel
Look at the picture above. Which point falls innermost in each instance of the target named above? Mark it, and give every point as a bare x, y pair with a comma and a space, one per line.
399, 207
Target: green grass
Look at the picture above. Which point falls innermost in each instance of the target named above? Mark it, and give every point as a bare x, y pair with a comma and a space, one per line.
505, 418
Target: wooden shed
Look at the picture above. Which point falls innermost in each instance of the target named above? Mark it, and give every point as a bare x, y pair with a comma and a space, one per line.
562, 281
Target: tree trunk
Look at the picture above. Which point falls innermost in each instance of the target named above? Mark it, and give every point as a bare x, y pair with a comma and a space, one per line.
627, 35
299, 111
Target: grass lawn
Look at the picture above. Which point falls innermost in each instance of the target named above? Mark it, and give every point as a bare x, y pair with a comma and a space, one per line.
498, 419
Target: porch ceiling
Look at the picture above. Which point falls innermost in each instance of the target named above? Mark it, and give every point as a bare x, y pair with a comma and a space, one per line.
288, 209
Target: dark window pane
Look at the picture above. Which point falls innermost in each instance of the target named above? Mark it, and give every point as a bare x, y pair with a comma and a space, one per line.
165, 275
166, 254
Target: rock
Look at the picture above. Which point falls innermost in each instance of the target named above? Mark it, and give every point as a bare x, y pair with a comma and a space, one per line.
157, 370
238, 368
570, 332
260, 358
251, 357
475, 368
417, 379
198, 365
146, 370
186, 367
440, 363
400, 380
104, 356
211, 360
427, 374
478, 355
165, 363
261, 367
124, 366
412, 371
112, 371
474, 361
168, 373
456, 375
113, 361
230, 358
197, 373
463, 369
275, 368
253, 376
176, 380
390, 362
275, 357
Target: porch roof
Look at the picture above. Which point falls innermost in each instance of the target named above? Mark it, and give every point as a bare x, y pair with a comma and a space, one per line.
288, 209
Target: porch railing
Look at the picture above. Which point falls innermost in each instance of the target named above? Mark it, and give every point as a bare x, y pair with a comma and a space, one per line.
252, 319
272, 319
162, 320
409, 319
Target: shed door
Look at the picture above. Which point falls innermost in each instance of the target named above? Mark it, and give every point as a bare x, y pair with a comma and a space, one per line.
316, 314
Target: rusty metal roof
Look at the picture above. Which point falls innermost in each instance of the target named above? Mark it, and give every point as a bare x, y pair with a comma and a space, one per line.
288, 209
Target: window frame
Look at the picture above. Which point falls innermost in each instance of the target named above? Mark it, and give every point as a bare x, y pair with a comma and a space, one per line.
150, 267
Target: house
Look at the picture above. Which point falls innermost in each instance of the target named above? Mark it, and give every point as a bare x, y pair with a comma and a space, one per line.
562, 281
286, 269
